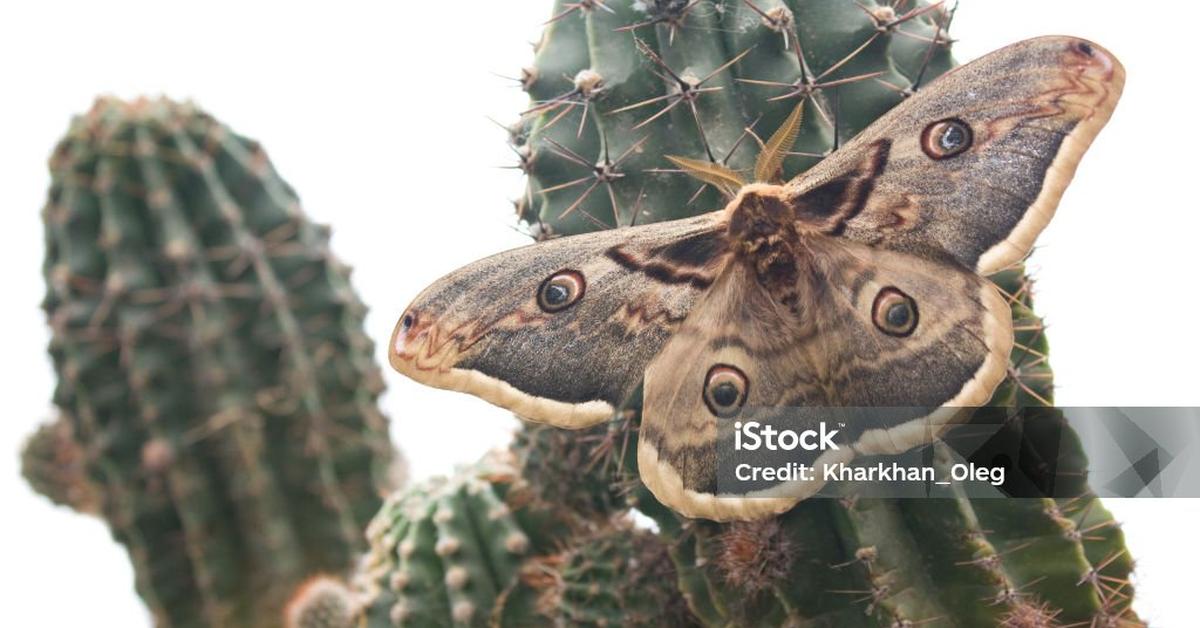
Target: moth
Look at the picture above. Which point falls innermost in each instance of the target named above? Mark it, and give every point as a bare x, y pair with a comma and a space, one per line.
858, 283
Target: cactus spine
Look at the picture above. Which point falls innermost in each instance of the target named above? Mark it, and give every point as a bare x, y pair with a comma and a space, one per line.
211, 360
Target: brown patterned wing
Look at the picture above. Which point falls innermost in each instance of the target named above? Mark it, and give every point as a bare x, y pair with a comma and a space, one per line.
561, 332
838, 343
973, 165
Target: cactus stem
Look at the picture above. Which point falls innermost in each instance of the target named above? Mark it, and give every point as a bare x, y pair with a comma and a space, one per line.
201, 330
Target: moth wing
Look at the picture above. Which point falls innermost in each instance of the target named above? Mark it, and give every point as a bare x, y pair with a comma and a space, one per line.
823, 351
482, 331
1029, 111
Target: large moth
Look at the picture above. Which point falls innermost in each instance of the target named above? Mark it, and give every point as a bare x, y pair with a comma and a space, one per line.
858, 283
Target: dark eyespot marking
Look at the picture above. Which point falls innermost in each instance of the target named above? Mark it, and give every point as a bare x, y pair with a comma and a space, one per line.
406, 323
946, 138
725, 390
1085, 48
560, 291
894, 312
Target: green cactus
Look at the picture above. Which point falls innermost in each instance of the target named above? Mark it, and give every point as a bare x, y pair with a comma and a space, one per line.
482, 548
614, 575
211, 362
555, 457
603, 115
444, 550
618, 86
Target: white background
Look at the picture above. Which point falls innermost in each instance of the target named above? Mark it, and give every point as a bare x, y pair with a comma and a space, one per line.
377, 114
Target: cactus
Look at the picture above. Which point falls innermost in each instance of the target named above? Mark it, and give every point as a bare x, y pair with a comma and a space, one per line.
211, 361
53, 463
603, 115
449, 548
554, 458
618, 86
444, 550
615, 575
323, 602
482, 548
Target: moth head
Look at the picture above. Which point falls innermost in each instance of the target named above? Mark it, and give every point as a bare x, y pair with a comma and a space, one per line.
758, 210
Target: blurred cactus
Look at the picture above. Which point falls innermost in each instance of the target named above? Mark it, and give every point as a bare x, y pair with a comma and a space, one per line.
54, 464
212, 367
323, 602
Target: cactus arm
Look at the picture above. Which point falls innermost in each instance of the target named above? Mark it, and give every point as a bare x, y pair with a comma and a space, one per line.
212, 363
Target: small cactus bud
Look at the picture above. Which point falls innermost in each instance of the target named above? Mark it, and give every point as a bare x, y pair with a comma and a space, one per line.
322, 602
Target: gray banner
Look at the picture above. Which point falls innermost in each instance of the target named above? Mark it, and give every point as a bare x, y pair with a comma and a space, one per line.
984, 452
